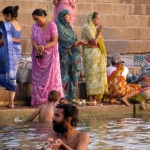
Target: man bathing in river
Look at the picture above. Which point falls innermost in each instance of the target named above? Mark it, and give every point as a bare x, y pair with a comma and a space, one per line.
64, 135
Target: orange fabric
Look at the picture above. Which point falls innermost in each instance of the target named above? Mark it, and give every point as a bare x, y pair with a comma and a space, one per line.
117, 85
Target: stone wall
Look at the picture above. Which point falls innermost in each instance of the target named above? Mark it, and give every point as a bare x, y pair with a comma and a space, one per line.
126, 22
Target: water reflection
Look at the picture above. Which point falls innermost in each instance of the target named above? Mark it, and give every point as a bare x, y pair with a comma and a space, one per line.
126, 133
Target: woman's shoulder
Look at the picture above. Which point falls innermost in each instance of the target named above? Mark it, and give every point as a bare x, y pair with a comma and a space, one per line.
34, 25
51, 23
52, 26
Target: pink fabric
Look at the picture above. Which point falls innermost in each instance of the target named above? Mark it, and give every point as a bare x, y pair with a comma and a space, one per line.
66, 4
45, 72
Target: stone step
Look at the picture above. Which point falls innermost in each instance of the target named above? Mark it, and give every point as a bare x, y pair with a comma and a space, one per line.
25, 18
118, 1
28, 5
113, 8
23, 95
112, 46
121, 33
103, 1
127, 46
124, 33
117, 20
84, 7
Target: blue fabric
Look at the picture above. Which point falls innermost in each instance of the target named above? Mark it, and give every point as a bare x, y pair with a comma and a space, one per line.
10, 55
69, 56
15, 33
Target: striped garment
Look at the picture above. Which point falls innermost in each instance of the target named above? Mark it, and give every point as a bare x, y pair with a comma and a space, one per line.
10, 54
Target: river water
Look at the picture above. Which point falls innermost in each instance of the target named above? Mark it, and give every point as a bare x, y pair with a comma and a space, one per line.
106, 133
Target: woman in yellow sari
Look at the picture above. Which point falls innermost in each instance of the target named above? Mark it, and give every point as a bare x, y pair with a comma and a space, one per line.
94, 56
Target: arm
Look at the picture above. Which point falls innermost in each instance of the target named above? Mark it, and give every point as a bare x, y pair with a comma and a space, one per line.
55, 2
32, 117
92, 40
51, 43
83, 141
34, 44
95, 40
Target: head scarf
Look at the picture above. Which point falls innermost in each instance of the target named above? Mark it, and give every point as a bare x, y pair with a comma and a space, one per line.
89, 23
66, 34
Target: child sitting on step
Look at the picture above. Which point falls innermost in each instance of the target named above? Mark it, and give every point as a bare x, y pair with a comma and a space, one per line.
46, 110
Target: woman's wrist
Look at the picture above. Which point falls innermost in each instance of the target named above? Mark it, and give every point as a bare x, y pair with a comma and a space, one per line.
98, 36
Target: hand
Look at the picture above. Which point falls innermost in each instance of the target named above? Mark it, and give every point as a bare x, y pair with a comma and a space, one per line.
50, 144
76, 44
40, 48
57, 144
100, 29
84, 42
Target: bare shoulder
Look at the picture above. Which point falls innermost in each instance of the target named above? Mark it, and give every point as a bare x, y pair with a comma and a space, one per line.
83, 135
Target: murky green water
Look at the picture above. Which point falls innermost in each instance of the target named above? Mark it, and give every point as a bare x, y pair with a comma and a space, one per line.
127, 133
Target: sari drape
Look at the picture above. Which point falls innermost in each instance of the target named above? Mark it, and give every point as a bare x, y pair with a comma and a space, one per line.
95, 62
118, 86
10, 54
69, 56
45, 72
66, 4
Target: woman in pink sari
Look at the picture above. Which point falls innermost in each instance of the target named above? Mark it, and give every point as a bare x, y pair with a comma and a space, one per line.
45, 58
65, 4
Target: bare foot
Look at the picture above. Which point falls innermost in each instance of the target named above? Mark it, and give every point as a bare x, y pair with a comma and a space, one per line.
10, 106
126, 101
114, 101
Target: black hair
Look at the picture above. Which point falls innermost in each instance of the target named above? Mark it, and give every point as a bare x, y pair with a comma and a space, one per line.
39, 12
94, 15
54, 95
1, 22
70, 110
13, 11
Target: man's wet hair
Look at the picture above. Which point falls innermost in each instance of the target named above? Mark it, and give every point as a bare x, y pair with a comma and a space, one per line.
54, 95
70, 110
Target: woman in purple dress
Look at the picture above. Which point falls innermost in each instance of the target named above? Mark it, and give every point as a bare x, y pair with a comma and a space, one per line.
45, 58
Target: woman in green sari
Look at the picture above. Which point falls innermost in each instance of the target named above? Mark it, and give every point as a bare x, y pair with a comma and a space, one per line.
94, 55
70, 60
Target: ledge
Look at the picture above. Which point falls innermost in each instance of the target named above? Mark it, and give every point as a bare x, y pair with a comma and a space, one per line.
84, 111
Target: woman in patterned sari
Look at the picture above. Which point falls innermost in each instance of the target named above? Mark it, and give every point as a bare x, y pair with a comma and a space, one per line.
70, 59
94, 56
45, 58
10, 51
117, 84
65, 4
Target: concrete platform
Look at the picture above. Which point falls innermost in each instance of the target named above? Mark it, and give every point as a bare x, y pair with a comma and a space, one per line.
84, 111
